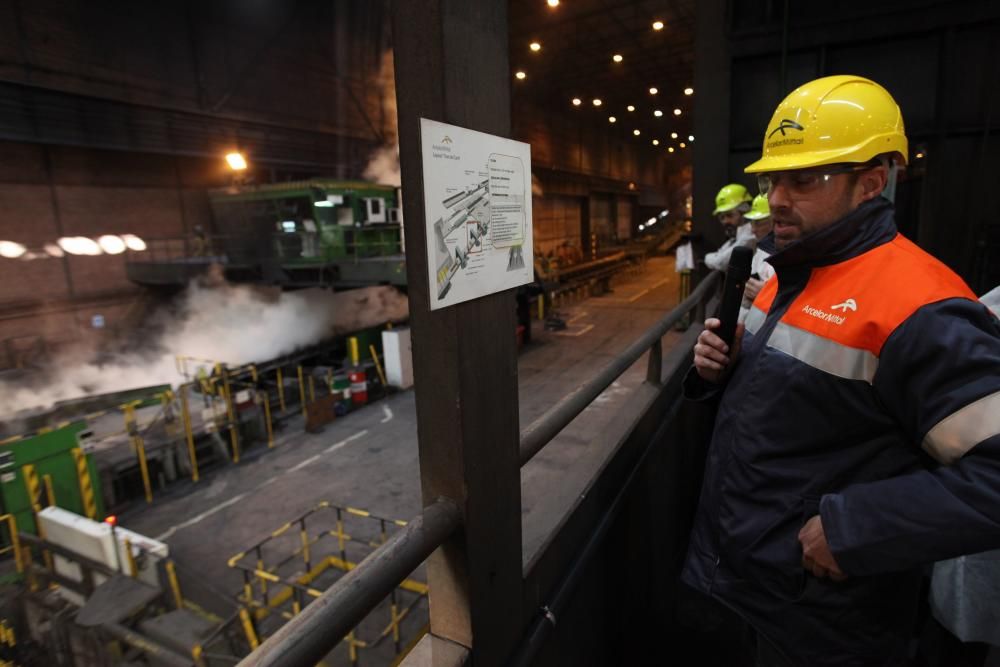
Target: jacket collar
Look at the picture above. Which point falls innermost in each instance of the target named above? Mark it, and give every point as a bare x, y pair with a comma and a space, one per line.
868, 226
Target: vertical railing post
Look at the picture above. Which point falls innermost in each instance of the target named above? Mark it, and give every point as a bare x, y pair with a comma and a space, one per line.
654, 367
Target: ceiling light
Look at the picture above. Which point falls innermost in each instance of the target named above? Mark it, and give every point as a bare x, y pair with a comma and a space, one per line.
671, 149
641, 227
79, 245
577, 101
630, 108
617, 57
677, 112
689, 91
683, 145
690, 137
11, 249
111, 244
134, 242
657, 25
673, 135
657, 113
653, 91
535, 46
53, 250
520, 75
553, 3
636, 132
597, 102
236, 161
919, 155
612, 119
656, 142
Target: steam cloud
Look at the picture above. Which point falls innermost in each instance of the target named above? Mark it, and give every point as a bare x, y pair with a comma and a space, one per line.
230, 324
383, 164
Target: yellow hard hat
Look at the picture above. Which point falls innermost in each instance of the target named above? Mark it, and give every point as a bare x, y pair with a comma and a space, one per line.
758, 209
729, 197
830, 120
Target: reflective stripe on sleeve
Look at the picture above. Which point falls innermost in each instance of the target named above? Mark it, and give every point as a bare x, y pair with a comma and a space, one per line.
963, 429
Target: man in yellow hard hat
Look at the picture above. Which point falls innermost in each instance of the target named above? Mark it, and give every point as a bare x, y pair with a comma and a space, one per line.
759, 216
731, 203
857, 438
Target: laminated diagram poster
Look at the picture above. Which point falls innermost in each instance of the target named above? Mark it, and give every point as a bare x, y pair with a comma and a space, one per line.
477, 199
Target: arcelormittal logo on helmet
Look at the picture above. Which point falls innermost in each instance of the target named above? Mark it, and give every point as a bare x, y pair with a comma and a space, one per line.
785, 124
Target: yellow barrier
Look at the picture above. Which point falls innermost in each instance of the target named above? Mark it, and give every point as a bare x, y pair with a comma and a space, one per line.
281, 392
378, 366
267, 419
188, 432
302, 393
230, 411
86, 486
175, 586
15, 542
138, 446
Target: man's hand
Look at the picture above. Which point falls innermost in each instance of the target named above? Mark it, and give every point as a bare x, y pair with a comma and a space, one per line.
752, 288
816, 555
712, 357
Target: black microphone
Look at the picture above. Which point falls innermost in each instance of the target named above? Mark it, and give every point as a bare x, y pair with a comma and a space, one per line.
732, 292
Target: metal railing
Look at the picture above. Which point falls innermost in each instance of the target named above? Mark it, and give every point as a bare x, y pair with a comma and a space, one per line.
321, 625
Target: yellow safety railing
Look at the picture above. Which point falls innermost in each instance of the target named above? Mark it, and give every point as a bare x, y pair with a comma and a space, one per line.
298, 560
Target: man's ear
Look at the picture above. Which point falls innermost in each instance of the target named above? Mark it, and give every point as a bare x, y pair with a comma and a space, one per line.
872, 182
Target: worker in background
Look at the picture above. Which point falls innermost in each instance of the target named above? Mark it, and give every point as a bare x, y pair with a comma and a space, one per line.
857, 438
759, 216
731, 203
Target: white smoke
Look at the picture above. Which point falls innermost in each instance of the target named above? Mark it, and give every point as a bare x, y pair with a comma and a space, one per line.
229, 324
383, 164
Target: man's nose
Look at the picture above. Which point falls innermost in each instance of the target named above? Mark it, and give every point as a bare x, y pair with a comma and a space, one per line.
777, 195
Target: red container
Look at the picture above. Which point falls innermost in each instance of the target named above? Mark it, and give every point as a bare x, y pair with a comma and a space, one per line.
359, 387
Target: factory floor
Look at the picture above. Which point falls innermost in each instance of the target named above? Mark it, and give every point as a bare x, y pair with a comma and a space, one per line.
369, 459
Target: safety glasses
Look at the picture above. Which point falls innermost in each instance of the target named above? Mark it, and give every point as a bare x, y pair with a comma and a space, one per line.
806, 181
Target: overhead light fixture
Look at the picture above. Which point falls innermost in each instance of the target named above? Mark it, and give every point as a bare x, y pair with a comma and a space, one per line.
617, 57
689, 91
657, 113
323, 203
690, 137
670, 149
653, 90
111, 244
612, 119
683, 145
677, 112
535, 46
630, 108
11, 249
597, 102
656, 142
134, 242
52, 250
636, 132
641, 227
79, 245
657, 25
553, 3
236, 161
577, 101
673, 135
520, 75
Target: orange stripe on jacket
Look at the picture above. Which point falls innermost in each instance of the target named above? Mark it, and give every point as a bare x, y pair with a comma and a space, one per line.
861, 301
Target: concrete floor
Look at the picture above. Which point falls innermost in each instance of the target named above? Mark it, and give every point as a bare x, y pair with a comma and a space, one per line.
369, 459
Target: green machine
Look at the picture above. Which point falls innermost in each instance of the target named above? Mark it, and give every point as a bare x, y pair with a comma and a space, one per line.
54, 459
309, 222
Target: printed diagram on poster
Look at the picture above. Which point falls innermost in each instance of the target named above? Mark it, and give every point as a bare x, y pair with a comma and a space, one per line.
477, 200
